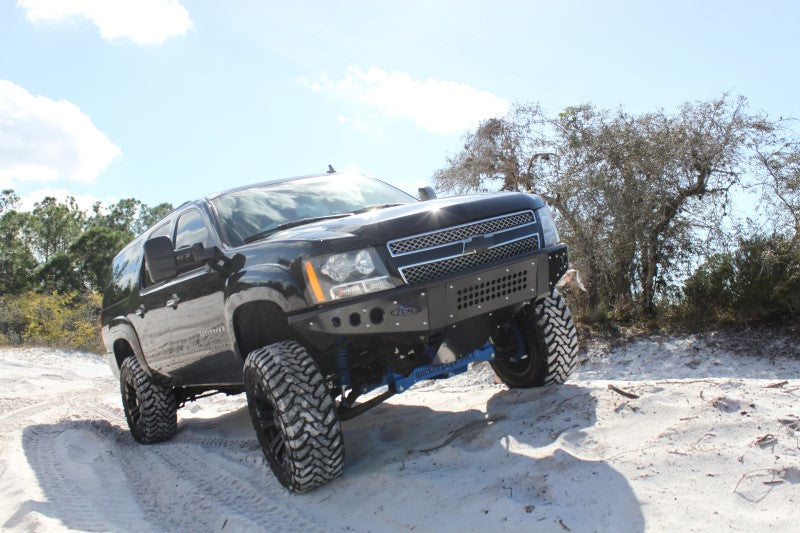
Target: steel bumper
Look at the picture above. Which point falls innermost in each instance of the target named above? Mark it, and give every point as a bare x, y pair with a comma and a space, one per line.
435, 305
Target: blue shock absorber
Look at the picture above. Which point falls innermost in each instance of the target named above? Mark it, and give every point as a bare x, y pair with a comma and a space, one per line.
341, 359
521, 349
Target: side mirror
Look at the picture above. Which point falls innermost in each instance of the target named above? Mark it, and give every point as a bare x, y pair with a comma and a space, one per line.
160, 258
426, 193
197, 255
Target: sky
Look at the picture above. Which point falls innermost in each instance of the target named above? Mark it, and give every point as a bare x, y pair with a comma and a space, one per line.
170, 100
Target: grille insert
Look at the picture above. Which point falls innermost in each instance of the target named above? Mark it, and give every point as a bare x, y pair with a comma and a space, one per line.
439, 269
458, 233
486, 291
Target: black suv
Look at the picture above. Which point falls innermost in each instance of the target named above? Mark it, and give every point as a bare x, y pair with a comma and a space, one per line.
321, 296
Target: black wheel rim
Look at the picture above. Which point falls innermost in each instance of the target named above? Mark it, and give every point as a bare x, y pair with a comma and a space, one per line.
132, 405
521, 363
519, 366
273, 436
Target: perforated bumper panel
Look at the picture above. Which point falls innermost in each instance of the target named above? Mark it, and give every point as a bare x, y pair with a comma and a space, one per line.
481, 293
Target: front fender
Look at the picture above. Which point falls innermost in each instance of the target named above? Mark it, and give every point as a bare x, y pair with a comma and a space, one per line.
263, 283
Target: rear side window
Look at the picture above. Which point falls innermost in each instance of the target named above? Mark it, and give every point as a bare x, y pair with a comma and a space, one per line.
191, 230
125, 272
162, 231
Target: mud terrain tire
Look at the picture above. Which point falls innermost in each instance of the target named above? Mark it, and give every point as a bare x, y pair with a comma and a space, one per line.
294, 416
151, 409
551, 342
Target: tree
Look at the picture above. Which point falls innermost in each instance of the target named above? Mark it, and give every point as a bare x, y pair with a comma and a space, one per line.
150, 215
16, 260
59, 275
631, 191
129, 215
92, 253
780, 160
56, 247
8, 200
53, 226
119, 216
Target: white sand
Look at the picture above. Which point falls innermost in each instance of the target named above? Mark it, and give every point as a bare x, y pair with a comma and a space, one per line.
708, 445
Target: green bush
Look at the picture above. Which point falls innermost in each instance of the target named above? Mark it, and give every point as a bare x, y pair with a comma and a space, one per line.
759, 281
66, 320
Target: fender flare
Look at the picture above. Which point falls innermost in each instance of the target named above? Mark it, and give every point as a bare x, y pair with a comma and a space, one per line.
121, 329
247, 296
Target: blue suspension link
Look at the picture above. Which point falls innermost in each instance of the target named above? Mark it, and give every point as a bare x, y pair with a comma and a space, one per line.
401, 383
421, 373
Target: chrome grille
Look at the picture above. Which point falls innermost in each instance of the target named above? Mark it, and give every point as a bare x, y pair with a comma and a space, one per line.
439, 269
458, 233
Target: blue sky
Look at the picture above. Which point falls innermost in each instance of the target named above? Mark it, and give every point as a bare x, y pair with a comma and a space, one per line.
167, 101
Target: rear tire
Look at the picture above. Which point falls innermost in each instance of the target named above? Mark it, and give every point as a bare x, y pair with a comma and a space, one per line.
294, 416
151, 409
551, 345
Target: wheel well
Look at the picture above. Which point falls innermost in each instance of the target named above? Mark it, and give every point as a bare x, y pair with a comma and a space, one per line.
258, 324
122, 350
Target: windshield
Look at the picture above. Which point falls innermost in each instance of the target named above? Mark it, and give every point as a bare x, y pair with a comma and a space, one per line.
245, 214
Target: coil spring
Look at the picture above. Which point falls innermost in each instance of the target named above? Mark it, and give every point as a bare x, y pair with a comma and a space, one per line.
341, 359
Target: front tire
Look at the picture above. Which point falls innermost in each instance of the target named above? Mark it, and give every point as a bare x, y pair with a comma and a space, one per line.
550, 340
294, 416
151, 409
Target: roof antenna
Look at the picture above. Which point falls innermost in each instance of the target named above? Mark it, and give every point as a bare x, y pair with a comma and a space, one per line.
331, 170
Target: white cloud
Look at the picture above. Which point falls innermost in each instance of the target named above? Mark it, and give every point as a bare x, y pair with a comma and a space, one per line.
84, 201
436, 105
141, 21
47, 140
362, 124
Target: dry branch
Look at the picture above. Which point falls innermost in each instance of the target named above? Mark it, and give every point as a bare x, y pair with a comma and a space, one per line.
630, 395
777, 385
457, 432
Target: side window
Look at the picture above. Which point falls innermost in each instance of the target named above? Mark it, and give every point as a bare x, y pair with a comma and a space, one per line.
161, 231
191, 230
125, 271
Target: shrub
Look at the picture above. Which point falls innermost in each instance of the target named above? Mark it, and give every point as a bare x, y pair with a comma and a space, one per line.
67, 320
759, 281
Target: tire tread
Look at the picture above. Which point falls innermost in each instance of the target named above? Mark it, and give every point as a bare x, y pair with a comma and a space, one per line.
157, 405
306, 413
560, 336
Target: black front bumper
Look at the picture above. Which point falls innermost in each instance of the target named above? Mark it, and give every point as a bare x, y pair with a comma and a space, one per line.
434, 305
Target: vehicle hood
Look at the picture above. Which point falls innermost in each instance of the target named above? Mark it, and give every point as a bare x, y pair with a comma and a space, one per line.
375, 228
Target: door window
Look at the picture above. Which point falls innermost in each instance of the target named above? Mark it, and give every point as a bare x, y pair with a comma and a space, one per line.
192, 229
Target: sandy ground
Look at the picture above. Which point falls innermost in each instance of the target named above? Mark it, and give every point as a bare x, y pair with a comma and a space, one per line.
709, 440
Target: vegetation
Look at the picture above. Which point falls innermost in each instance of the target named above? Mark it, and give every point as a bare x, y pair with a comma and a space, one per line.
65, 320
641, 198
757, 281
55, 262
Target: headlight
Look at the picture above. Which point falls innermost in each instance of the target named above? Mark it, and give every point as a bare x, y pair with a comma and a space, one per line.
548, 227
346, 275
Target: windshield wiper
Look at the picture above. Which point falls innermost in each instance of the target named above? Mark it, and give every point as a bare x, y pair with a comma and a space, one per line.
375, 206
291, 224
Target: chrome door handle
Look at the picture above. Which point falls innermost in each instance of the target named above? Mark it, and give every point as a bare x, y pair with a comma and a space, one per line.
173, 302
